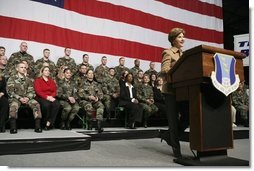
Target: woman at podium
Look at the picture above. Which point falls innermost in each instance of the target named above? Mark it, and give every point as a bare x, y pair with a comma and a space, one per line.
169, 58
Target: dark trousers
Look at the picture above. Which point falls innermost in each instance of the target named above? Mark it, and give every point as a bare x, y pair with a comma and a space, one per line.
4, 110
178, 118
173, 121
162, 108
49, 109
134, 112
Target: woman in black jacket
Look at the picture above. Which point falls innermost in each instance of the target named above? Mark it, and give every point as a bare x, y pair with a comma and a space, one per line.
159, 99
4, 105
128, 100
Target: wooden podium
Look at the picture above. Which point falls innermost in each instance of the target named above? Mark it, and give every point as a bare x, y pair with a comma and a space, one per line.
210, 111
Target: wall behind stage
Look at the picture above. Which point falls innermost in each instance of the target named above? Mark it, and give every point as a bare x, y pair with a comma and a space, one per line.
133, 29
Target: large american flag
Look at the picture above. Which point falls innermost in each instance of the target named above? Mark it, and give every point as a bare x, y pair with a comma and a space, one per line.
115, 28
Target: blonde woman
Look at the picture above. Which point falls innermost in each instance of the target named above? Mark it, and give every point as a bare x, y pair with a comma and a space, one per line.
45, 89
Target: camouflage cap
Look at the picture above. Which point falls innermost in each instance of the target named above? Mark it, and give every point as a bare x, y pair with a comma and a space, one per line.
174, 33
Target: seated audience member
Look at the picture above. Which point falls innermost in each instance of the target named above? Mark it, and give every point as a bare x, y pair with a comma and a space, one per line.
4, 104
240, 100
122, 78
151, 69
101, 72
145, 97
90, 95
21, 92
3, 70
134, 70
45, 89
111, 91
80, 76
45, 61
159, 99
2, 51
139, 79
153, 78
121, 68
128, 100
86, 62
65, 62
29, 72
17, 57
67, 94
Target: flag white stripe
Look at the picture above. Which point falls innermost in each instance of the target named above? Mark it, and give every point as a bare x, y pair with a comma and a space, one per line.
214, 2
169, 12
86, 24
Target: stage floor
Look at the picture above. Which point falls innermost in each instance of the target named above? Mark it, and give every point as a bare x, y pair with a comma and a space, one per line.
113, 147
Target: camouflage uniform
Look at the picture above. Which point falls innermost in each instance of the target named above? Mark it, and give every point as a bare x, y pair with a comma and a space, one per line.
17, 58
79, 78
39, 64
145, 92
101, 73
4, 73
84, 91
151, 71
88, 66
21, 87
70, 63
110, 87
119, 70
67, 89
137, 82
240, 101
135, 71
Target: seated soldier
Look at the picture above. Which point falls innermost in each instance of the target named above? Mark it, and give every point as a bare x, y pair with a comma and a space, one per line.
67, 94
240, 100
80, 76
65, 62
111, 92
90, 95
145, 97
45, 61
3, 68
139, 79
17, 57
21, 92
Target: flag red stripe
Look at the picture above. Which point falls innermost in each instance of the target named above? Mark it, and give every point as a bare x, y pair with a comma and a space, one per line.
196, 6
45, 33
130, 16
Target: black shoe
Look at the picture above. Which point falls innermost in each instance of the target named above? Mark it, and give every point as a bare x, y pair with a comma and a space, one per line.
246, 123
13, 131
38, 130
63, 126
99, 126
2, 130
68, 125
177, 152
100, 130
132, 126
47, 128
164, 135
108, 118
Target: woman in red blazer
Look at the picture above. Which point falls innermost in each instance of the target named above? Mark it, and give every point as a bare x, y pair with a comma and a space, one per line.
45, 89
